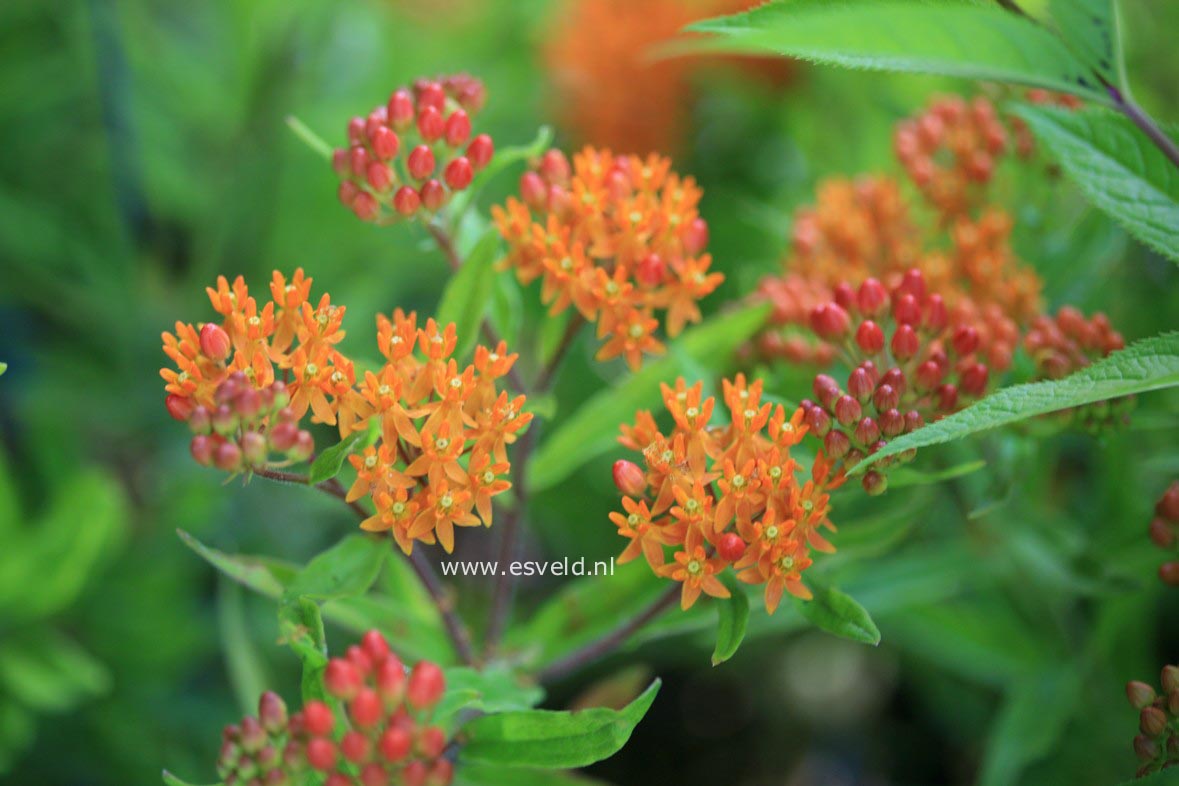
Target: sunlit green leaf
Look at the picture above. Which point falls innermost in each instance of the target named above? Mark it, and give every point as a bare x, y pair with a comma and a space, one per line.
328, 463
732, 617
838, 613
348, 568
1089, 29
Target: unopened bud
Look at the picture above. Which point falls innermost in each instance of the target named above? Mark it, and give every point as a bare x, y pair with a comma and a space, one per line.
215, 343
730, 547
830, 321
869, 337
272, 712
303, 448
1145, 748
227, 457
836, 444
629, 478
1170, 679
254, 449
874, 483
872, 297
695, 236
426, 685
1152, 721
179, 407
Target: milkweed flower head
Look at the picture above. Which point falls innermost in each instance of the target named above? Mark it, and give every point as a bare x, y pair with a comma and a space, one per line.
1164, 532
910, 364
409, 156
439, 430
710, 498
616, 237
381, 732
1157, 743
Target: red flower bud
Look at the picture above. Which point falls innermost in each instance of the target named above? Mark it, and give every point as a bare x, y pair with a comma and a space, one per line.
694, 236
869, 337
935, 313
432, 742
366, 709
913, 282
254, 450
431, 126
1169, 573
860, 385
458, 128
629, 478
830, 321
1140, 694
554, 168
365, 206
341, 678
905, 342
867, 432
730, 547
358, 160
228, 457
375, 645
395, 744
385, 143
426, 685
317, 718
892, 422
533, 191
432, 194
1145, 748
406, 201
905, 310
1152, 721
913, 420
179, 407
947, 398
847, 410
347, 192
1170, 679
651, 270
340, 161
338, 779
480, 151
304, 446
874, 483
202, 448
420, 163
885, 398
818, 421
895, 378
429, 94
379, 176
459, 173
965, 340
355, 747
872, 297
272, 711
215, 343
973, 379
441, 773
836, 444
826, 389
356, 130
415, 774
400, 109
374, 774
844, 296
1168, 504
253, 736
321, 754
929, 375
1162, 533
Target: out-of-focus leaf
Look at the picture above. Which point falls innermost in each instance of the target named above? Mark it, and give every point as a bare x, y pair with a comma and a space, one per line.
495, 689
247, 672
908, 36
348, 568
732, 617
47, 672
257, 573
328, 463
907, 476
1120, 171
1034, 715
468, 293
1149, 364
838, 613
593, 428
473, 774
172, 780
1088, 27
561, 740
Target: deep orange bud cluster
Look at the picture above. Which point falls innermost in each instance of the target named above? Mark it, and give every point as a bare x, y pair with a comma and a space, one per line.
950, 151
1164, 532
408, 157
444, 430
723, 496
618, 238
387, 736
226, 379
910, 364
1157, 743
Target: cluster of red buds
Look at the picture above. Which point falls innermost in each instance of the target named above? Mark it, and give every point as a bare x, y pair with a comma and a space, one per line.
382, 736
387, 736
723, 496
1164, 531
1067, 342
950, 151
909, 363
1157, 744
247, 425
617, 237
412, 154
261, 750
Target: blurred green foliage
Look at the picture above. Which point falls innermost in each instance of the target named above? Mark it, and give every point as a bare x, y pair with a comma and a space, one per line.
146, 153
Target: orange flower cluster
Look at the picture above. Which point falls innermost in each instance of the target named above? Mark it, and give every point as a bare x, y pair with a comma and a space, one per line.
444, 430
723, 496
440, 456
289, 336
616, 237
414, 152
610, 91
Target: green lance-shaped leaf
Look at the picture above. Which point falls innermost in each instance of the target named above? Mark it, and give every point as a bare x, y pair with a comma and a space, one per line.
1149, 364
328, 464
593, 428
732, 617
950, 37
1089, 28
494, 689
558, 740
838, 613
301, 628
1118, 169
468, 293
348, 568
